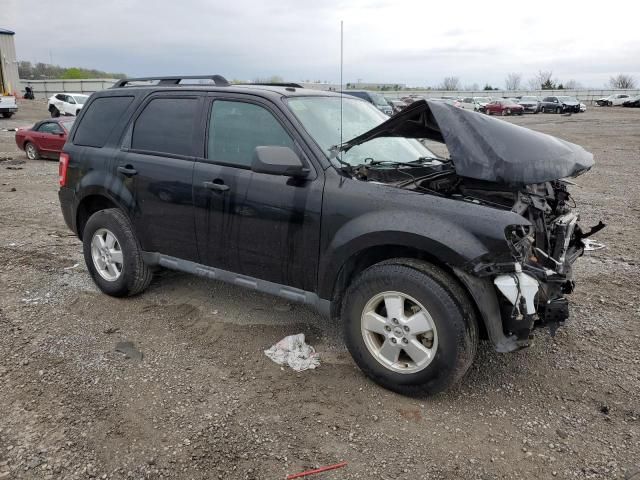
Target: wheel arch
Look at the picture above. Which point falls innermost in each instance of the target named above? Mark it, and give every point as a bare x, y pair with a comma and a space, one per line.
377, 254
96, 199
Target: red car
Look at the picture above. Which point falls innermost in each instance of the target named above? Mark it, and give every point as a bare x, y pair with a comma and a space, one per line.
45, 138
504, 107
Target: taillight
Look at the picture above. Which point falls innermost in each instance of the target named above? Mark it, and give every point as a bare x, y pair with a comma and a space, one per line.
62, 168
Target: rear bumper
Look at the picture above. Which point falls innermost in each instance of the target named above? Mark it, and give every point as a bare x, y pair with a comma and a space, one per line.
67, 203
8, 109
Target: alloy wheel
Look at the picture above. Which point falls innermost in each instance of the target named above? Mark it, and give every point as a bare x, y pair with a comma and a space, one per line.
399, 332
106, 253
31, 151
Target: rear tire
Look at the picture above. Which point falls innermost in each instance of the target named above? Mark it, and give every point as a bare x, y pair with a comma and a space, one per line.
417, 287
123, 273
31, 151
55, 113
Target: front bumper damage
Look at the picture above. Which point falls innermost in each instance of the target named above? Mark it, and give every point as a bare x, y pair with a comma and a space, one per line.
516, 297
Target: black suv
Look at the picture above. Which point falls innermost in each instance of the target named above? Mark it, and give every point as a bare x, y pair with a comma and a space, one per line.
418, 256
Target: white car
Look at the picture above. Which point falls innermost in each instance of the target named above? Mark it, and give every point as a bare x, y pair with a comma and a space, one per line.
7, 105
476, 104
583, 107
613, 100
66, 103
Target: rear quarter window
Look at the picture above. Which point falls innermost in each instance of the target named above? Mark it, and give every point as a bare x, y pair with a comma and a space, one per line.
99, 120
166, 125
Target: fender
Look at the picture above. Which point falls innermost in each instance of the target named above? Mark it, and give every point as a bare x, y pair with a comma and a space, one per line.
448, 241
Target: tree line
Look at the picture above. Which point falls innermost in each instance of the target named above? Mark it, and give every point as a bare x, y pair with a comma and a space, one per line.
43, 71
543, 80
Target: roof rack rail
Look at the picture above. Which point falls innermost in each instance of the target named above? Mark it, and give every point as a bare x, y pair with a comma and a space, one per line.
218, 80
274, 84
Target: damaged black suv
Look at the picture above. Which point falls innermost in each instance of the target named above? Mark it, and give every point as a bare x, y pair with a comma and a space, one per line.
323, 200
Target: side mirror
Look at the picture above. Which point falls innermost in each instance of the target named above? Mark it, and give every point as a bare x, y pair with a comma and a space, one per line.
274, 160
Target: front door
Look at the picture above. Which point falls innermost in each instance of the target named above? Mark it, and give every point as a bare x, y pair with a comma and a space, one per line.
259, 225
157, 168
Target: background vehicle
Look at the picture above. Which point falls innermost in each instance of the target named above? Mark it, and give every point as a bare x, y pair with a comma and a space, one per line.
633, 102
397, 105
45, 138
559, 104
530, 104
504, 107
613, 100
476, 104
243, 184
583, 107
66, 103
8, 105
8, 78
373, 98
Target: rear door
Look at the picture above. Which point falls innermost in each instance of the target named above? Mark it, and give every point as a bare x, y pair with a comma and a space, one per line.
156, 165
263, 226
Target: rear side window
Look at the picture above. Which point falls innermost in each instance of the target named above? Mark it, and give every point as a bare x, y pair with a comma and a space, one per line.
237, 128
166, 125
99, 120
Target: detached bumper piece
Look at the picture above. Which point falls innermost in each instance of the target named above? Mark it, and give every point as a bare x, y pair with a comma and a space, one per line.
520, 289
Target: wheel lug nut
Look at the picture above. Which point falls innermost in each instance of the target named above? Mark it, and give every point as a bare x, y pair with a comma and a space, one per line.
395, 321
406, 329
387, 328
393, 340
404, 340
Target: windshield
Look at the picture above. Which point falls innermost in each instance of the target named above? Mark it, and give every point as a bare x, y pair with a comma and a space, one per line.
508, 101
378, 99
81, 99
529, 99
568, 99
320, 116
482, 99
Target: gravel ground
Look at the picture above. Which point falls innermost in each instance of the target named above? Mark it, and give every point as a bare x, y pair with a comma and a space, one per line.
196, 398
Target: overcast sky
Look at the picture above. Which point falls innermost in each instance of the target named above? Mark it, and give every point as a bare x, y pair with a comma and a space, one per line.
413, 42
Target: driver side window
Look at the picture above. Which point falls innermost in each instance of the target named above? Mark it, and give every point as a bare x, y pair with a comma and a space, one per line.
237, 128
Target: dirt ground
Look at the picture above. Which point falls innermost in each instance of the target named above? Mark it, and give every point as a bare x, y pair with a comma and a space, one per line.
204, 402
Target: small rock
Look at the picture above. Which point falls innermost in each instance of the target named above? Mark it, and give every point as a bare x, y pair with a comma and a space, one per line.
562, 434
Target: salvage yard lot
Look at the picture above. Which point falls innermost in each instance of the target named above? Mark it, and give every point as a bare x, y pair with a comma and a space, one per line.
204, 401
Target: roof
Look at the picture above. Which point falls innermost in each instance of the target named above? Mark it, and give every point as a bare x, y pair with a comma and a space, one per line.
263, 90
4, 31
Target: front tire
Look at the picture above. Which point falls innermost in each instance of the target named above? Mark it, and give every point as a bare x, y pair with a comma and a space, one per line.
7, 114
55, 113
31, 151
410, 327
558, 110
113, 254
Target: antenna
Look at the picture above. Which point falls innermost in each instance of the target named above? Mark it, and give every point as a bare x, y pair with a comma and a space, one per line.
341, 69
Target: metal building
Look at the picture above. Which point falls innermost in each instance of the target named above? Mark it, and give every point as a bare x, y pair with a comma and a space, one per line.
9, 80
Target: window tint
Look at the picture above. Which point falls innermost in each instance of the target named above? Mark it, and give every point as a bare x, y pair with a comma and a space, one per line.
50, 127
99, 119
237, 128
166, 125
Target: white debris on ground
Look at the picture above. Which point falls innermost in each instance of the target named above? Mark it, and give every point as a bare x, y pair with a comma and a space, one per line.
293, 351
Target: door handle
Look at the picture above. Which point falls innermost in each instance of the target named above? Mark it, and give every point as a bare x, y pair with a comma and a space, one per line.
218, 187
127, 171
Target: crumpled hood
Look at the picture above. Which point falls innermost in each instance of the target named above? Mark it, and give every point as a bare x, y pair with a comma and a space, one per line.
483, 147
